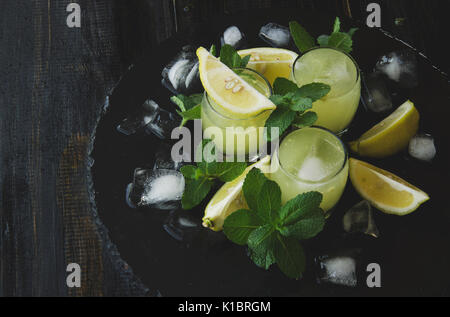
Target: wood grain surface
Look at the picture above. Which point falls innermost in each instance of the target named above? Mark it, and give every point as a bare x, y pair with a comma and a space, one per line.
54, 83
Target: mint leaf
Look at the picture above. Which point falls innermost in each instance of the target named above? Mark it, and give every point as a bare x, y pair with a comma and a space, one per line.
195, 191
225, 171
293, 209
191, 171
322, 40
259, 235
310, 223
269, 201
230, 57
315, 91
252, 186
341, 40
338, 39
282, 86
213, 50
302, 39
289, 256
191, 114
190, 107
280, 118
262, 254
240, 224
301, 103
306, 119
337, 25
245, 61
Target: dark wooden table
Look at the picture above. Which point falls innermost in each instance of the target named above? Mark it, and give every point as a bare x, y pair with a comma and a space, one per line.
54, 82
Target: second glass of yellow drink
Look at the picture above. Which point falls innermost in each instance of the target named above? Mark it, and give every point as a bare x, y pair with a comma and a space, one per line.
336, 68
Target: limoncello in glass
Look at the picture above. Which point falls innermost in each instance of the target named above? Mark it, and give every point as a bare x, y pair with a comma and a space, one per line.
311, 159
234, 133
339, 70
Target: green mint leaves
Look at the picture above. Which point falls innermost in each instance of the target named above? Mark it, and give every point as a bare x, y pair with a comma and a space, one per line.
200, 179
292, 102
341, 40
230, 57
190, 107
272, 231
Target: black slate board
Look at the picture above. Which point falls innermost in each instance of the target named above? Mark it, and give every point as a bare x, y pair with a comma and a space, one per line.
412, 250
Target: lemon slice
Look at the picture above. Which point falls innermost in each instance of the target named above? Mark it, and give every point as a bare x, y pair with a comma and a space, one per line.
270, 62
384, 190
230, 92
229, 198
390, 135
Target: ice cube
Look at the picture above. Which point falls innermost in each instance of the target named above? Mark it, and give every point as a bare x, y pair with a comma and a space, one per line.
339, 270
163, 159
313, 169
163, 124
400, 67
181, 224
374, 94
163, 189
359, 218
275, 35
139, 119
234, 37
181, 75
136, 189
422, 147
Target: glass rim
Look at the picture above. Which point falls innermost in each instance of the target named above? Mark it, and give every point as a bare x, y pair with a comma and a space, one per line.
205, 94
358, 71
324, 180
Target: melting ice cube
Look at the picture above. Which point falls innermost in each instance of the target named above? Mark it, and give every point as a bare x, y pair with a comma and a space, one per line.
359, 218
422, 147
374, 94
275, 35
163, 189
400, 67
180, 224
163, 124
181, 75
139, 119
339, 270
234, 37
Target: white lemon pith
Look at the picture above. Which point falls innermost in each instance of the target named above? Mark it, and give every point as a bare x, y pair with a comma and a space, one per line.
229, 198
270, 62
384, 190
230, 92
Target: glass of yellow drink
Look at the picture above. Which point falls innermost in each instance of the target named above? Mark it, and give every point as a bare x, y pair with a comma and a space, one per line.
235, 134
311, 159
339, 70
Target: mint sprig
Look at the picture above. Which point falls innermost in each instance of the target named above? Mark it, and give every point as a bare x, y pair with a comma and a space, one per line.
190, 107
338, 39
271, 231
230, 57
292, 102
200, 179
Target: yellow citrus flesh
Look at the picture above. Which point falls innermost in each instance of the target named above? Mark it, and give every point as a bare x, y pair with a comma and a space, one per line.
270, 62
231, 93
390, 135
229, 198
384, 190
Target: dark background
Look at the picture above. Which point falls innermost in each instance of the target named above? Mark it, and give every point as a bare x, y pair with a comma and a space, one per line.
54, 81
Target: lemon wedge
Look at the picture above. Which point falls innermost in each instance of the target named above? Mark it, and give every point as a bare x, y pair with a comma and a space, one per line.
390, 135
229, 198
384, 190
230, 92
270, 62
